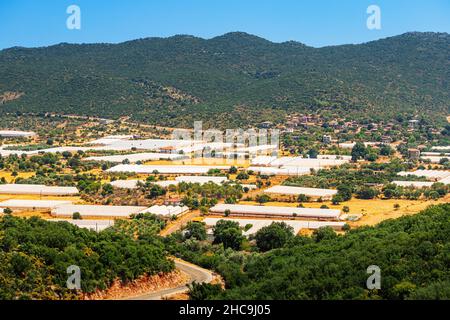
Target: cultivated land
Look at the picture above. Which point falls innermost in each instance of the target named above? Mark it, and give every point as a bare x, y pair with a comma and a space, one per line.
364, 193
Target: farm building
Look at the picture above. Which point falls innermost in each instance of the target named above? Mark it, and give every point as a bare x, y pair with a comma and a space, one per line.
167, 211
272, 211
33, 205
133, 158
146, 169
37, 189
87, 211
94, 225
414, 184
16, 134
325, 194
297, 225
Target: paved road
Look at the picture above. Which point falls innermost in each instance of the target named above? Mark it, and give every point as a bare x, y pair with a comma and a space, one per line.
195, 273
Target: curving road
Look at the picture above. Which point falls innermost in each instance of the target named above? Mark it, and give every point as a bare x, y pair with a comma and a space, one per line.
195, 273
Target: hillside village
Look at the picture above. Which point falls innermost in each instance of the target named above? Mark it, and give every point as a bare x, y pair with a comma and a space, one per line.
391, 170
118, 176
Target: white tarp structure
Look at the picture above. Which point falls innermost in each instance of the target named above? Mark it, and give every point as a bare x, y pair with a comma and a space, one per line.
16, 134
313, 163
274, 211
167, 211
263, 160
94, 225
435, 154
434, 159
414, 184
166, 183
48, 150
133, 184
334, 157
126, 184
37, 189
111, 139
310, 192
273, 171
257, 225
440, 148
445, 180
249, 186
133, 158
206, 147
350, 145
119, 144
97, 211
22, 205
147, 169
201, 179
294, 166
429, 174
257, 149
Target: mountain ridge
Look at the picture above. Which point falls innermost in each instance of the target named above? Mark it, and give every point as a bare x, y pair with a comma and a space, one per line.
407, 74
188, 36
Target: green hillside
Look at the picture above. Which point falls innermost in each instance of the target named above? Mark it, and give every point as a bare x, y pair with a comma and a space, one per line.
413, 254
233, 79
35, 255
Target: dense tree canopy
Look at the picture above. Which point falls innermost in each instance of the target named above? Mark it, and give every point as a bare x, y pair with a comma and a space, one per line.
412, 253
35, 255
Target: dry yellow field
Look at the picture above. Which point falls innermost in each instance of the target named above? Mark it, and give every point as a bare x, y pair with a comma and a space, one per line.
373, 211
9, 178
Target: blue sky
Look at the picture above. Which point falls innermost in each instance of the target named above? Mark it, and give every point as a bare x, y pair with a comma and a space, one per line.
32, 23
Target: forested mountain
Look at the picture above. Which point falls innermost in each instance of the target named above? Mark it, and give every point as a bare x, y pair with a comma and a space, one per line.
236, 78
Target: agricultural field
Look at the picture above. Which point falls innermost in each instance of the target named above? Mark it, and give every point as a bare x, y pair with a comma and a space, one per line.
302, 192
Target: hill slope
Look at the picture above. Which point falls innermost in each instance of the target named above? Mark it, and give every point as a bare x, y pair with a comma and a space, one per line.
412, 253
235, 79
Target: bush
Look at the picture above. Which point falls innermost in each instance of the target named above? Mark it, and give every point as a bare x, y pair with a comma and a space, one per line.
76, 216
366, 193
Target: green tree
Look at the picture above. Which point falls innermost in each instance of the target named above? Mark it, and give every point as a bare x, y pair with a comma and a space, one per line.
196, 230
262, 198
276, 235
228, 233
359, 151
